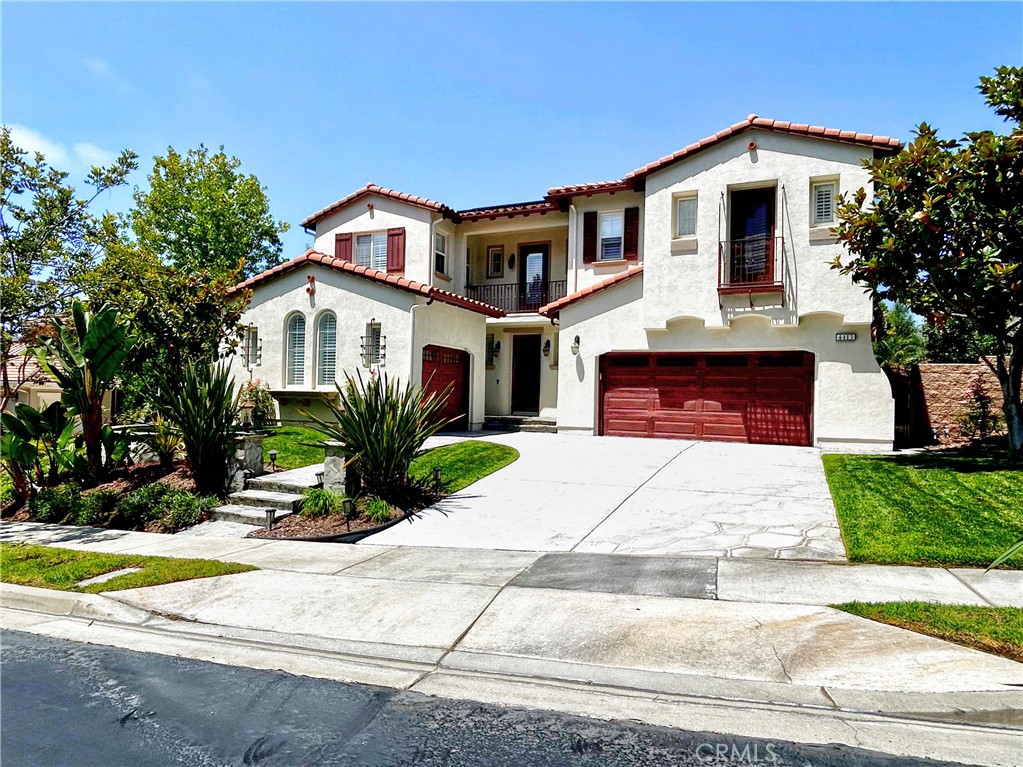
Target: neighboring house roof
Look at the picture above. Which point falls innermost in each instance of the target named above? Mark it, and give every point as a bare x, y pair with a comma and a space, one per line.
595, 187
554, 308
379, 191
21, 370
510, 211
393, 280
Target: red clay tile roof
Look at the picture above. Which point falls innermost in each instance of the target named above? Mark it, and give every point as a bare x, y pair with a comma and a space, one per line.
554, 308
774, 126
23, 366
509, 211
595, 187
395, 281
373, 189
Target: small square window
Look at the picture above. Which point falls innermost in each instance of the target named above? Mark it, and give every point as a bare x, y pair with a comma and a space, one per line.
440, 253
823, 202
495, 261
612, 229
685, 215
371, 251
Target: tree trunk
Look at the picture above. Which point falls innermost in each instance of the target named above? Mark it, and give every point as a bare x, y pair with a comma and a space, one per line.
1014, 424
92, 428
1010, 374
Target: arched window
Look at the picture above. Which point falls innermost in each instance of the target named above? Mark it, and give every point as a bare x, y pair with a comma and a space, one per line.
326, 349
296, 351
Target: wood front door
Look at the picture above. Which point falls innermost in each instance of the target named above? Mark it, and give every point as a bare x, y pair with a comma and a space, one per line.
526, 358
534, 273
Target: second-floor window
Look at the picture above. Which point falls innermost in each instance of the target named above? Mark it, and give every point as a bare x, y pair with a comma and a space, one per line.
822, 199
612, 232
371, 251
440, 253
685, 217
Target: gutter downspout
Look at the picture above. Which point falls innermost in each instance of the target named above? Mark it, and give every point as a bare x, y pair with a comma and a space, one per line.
573, 232
412, 339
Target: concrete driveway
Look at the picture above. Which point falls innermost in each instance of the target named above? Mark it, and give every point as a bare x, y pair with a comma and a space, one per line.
639, 496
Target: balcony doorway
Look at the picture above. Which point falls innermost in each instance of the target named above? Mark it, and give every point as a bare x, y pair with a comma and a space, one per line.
534, 271
751, 234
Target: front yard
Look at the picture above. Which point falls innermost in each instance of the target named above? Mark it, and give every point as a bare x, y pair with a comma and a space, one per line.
55, 568
949, 508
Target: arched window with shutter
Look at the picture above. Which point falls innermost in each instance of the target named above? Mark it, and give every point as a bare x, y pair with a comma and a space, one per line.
295, 357
326, 349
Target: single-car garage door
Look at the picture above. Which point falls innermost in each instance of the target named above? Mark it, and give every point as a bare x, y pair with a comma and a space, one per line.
443, 367
765, 398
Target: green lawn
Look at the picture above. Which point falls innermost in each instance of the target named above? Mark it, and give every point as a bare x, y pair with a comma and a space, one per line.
946, 508
296, 446
997, 630
463, 463
55, 568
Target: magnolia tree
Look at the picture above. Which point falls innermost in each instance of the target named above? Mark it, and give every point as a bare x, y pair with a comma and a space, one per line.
943, 234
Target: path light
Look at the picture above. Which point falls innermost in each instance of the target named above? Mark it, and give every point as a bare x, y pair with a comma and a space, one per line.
270, 514
436, 475
273, 460
575, 345
348, 509
547, 348
319, 478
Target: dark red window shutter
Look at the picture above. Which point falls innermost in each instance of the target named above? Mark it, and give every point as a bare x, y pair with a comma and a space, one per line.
396, 250
631, 245
343, 247
589, 236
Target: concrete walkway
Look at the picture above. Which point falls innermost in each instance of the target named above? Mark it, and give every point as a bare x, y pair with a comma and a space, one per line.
640, 496
658, 638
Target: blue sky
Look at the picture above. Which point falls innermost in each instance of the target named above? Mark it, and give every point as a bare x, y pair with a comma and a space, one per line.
476, 104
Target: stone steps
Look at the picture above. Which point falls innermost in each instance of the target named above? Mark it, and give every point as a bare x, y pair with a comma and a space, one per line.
266, 498
520, 423
247, 515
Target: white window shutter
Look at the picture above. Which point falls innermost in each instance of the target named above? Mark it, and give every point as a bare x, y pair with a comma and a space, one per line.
823, 203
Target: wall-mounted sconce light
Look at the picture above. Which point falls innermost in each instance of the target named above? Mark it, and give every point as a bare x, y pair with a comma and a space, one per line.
497, 348
311, 287
547, 348
575, 345
511, 261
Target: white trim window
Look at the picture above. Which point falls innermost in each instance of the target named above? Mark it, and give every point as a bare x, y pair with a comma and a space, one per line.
822, 202
371, 251
440, 253
296, 351
612, 235
685, 216
326, 349
373, 345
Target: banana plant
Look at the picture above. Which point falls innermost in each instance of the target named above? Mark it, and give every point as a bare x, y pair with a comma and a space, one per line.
84, 359
41, 445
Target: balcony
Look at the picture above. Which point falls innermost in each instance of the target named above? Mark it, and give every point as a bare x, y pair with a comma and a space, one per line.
752, 265
515, 298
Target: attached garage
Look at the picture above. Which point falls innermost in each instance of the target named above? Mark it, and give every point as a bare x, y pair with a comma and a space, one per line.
764, 397
443, 367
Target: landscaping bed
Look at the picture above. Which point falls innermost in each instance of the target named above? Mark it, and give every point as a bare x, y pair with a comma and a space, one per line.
56, 568
955, 507
996, 630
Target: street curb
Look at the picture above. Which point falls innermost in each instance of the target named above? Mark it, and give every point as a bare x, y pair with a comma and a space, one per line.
70, 604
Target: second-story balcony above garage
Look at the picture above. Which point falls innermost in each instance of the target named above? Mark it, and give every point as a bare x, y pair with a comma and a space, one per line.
514, 298
751, 265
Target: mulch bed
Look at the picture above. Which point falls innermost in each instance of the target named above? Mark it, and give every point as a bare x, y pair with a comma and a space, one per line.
297, 526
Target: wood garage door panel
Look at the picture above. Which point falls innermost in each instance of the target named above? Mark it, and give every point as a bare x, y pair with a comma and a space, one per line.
443, 367
764, 398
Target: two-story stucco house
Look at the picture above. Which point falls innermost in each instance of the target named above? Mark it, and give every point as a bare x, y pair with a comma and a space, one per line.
693, 298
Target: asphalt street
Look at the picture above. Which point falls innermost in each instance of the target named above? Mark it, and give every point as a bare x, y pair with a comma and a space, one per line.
64, 703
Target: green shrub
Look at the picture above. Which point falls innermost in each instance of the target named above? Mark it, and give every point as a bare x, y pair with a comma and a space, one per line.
55, 504
377, 510
96, 507
184, 510
383, 426
140, 506
317, 502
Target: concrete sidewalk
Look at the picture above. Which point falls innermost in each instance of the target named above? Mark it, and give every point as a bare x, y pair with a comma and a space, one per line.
734, 646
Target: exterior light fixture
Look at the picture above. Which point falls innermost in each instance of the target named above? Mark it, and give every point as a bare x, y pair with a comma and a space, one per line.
547, 348
319, 478
348, 509
575, 345
273, 460
497, 348
511, 261
270, 514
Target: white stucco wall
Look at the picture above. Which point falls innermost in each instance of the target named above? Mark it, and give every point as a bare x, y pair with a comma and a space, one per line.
499, 377
386, 214
583, 275
853, 406
685, 284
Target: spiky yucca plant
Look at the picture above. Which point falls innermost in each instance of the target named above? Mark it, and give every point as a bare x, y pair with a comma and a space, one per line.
201, 403
383, 426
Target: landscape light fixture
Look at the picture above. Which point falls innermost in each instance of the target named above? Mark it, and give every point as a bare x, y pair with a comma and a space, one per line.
273, 460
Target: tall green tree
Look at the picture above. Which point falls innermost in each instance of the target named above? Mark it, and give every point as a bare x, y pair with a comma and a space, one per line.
51, 239
944, 233
202, 213
900, 342
956, 339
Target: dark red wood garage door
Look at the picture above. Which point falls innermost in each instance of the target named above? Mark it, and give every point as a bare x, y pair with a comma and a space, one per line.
443, 367
765, 398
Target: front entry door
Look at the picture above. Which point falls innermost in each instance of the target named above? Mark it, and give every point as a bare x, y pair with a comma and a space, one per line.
526, 374
533, 275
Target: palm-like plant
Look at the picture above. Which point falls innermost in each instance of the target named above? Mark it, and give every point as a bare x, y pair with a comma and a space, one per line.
383, 426
201, 402
84, 359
